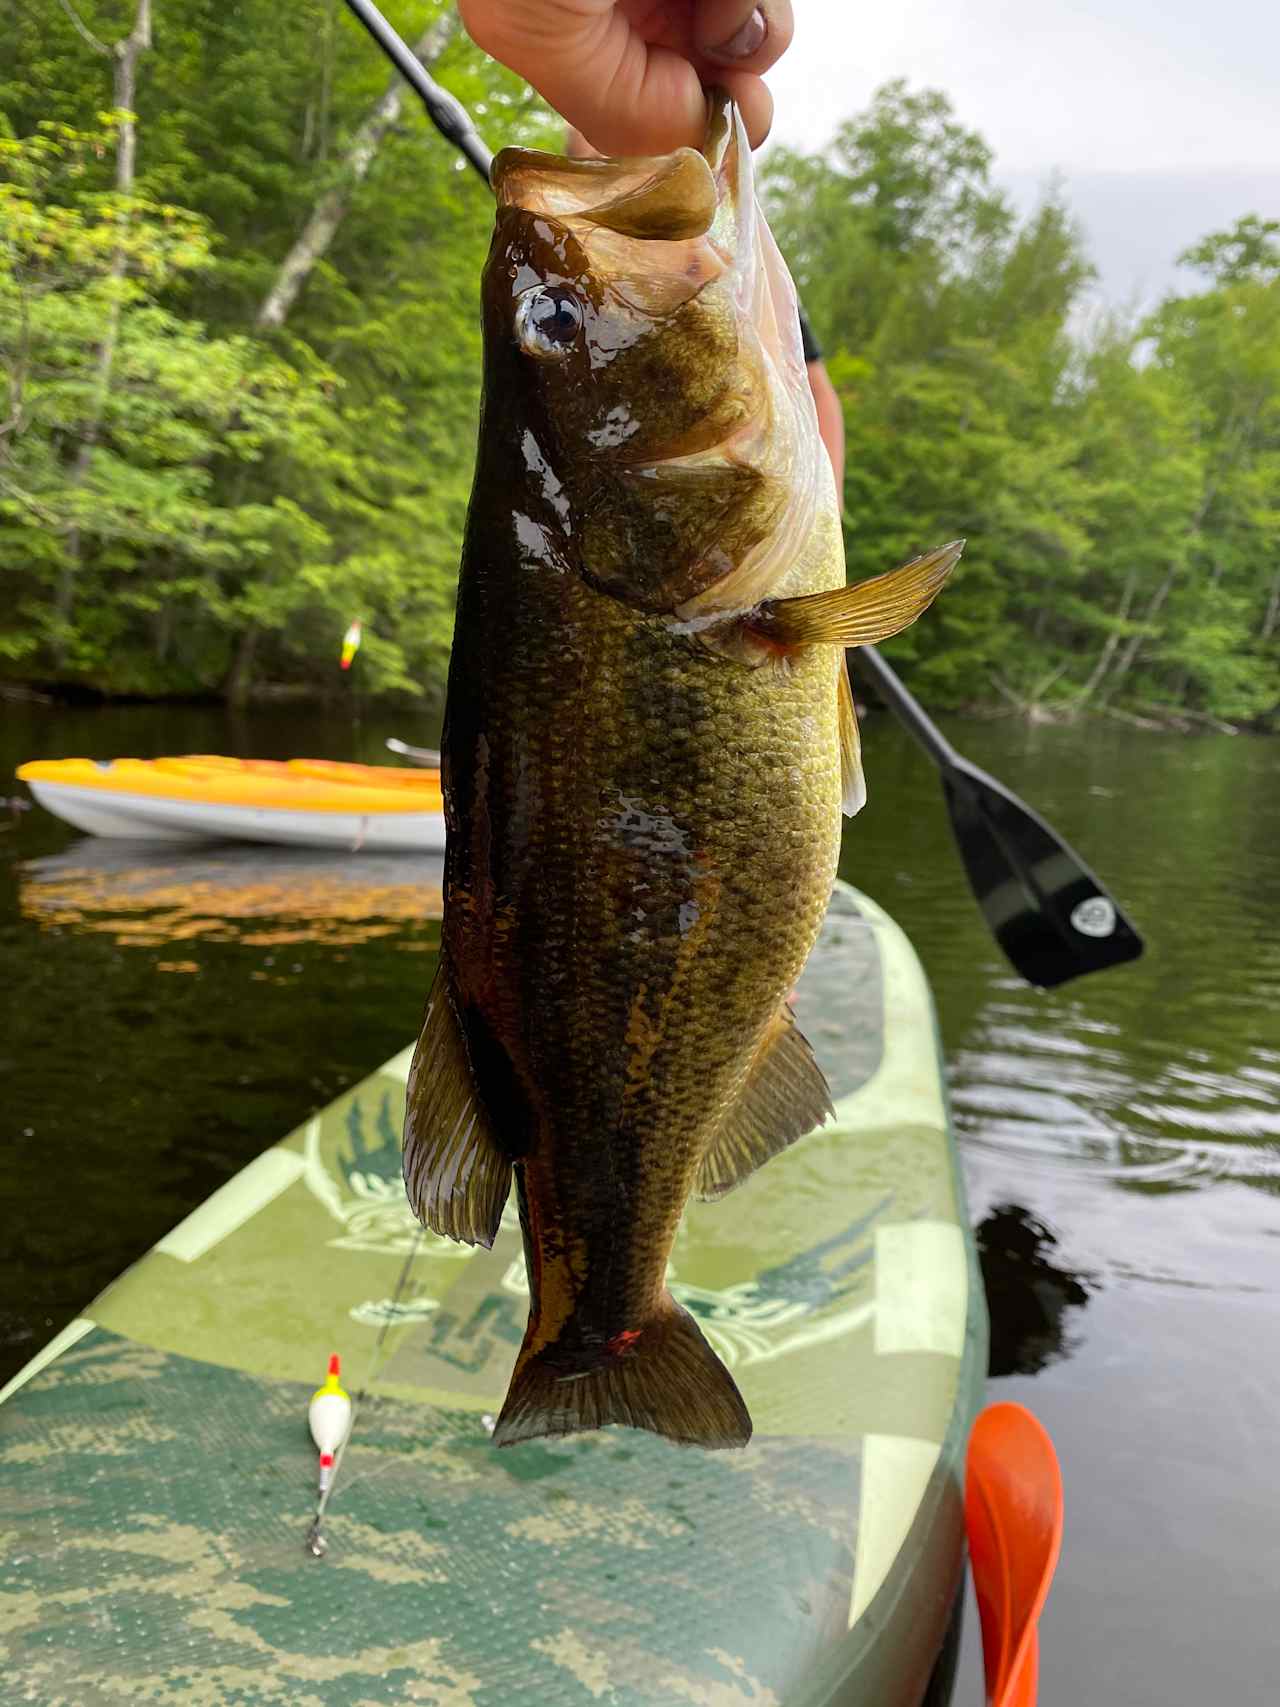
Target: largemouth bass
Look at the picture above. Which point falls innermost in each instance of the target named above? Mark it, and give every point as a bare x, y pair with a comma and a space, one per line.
648, 738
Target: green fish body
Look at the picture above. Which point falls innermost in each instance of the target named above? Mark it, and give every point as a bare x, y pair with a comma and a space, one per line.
648, 738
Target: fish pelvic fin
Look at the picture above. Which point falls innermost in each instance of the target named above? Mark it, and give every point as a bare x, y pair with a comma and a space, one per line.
455, 1174
862, 614
785, 1095
853, 784
663, 1377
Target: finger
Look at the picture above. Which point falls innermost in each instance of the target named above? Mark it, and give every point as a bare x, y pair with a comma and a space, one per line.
626, 95
660, 107
748, 35
653, 102
576, 145
755, 103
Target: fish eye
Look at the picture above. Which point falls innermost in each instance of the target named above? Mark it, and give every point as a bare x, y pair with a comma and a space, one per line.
548, 320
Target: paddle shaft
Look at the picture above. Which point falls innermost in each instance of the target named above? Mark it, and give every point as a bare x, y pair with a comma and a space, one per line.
905, 707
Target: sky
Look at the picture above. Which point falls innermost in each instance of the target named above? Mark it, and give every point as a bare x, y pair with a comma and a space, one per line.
1160, 117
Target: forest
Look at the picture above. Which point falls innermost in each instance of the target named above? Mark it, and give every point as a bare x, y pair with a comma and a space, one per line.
239, 380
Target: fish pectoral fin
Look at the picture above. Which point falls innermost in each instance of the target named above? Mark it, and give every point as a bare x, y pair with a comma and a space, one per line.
853, 785
455, 1174
785, 1096
667, 1380
859, 615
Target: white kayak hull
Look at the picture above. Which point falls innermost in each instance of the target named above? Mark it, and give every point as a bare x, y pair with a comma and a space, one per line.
153, 818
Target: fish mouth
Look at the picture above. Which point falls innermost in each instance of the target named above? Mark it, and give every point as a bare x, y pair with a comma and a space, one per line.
659, 228
656, 198
651, 234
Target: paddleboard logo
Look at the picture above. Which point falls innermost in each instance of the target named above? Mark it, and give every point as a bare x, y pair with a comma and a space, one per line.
477, 1313
821, 1294
361, 1184
1094, 917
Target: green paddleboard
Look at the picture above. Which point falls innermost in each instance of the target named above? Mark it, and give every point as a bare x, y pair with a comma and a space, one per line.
157, 1479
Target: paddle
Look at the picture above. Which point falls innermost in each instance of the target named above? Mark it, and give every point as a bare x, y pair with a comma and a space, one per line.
1013, 1516
1046, 909
426, 756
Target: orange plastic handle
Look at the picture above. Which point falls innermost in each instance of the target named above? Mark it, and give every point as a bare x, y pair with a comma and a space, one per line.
1013, 1511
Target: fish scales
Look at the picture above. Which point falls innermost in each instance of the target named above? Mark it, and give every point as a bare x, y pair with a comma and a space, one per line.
642, 776
627, 831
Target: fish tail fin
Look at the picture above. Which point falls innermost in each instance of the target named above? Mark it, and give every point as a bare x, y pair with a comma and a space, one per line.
663, 1377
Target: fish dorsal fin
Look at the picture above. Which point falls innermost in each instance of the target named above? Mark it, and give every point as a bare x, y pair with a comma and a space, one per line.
784, 1097
456, 1176
853, 785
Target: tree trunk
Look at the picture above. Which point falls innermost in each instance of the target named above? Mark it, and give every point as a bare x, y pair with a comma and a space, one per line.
162, 629
1271, 621
1134, 642
240, 675
1112, 641
314, 241
327, 215
126, 54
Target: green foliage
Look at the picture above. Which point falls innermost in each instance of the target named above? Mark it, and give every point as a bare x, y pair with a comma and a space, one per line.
217, 509
189, 503
1118, 491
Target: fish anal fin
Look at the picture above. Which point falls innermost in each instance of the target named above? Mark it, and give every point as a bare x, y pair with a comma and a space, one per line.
853, 785
785, 1096
862, 614
663, 1377
455, 1174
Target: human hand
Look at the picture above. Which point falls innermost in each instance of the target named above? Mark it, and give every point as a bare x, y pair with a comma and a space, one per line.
630, 74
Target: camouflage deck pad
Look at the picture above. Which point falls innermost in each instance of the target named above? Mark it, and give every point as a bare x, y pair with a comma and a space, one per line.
162, 1505
157, 1479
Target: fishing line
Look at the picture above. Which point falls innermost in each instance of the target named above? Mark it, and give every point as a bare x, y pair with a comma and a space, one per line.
455, 124
317, 1543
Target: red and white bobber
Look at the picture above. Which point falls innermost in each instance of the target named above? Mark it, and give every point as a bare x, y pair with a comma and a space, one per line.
329, 1415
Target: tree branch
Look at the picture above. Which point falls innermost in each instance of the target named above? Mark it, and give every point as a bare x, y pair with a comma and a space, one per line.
327, 215
83, 29
125, 54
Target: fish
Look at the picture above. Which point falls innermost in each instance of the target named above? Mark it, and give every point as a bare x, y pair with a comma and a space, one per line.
648, 740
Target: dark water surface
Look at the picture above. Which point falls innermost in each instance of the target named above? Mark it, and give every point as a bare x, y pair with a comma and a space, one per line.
165, 1017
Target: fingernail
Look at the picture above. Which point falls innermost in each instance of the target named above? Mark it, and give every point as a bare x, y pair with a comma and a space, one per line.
748, 40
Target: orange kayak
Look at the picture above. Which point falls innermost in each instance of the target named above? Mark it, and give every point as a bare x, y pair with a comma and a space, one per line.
205, 796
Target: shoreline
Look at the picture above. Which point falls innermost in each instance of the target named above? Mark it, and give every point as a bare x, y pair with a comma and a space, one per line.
1148, 719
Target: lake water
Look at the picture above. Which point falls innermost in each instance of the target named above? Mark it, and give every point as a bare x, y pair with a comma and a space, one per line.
1121, 1136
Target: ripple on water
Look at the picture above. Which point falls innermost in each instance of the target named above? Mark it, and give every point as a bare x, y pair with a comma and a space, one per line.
1065, 1095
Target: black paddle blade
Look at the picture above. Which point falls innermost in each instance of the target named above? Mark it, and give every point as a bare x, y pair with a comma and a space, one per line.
1046, 909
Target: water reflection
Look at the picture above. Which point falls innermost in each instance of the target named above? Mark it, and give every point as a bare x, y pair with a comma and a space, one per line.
1029, 1293
146, 895
1049, 1085
1120, 1137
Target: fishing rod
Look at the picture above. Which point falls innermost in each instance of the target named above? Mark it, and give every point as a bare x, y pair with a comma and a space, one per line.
445, 111
1046, 909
